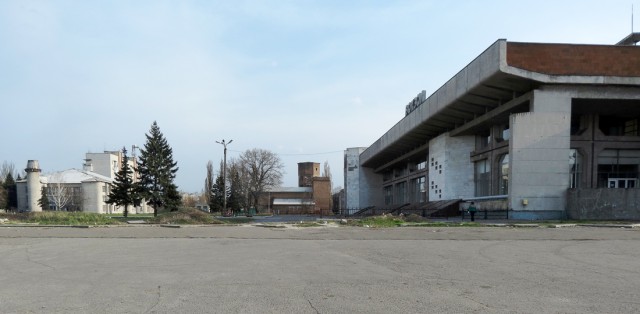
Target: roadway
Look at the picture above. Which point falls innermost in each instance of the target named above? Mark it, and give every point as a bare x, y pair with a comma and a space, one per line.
250, 269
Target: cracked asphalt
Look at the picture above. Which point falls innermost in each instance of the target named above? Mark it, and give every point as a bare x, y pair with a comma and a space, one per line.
249, 269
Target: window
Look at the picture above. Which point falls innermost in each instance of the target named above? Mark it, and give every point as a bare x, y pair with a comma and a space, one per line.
421, 165
482, 177
618, 168
618, 126
483, 140
388, 195
503, 182
575, 164
506, 133
420, 190
401, 192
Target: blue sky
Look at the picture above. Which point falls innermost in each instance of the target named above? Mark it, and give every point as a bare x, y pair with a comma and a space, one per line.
304, 79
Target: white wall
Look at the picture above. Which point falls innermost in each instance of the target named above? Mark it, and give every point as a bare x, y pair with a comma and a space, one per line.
539, 153
103, 163
450, 168
93, 197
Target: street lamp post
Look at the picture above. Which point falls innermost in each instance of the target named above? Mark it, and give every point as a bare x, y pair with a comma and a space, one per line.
224, 174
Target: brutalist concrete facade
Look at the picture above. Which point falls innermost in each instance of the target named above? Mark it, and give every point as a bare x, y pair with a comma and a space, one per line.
516, 129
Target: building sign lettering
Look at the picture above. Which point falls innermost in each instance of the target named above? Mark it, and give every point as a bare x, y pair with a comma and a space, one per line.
416, 102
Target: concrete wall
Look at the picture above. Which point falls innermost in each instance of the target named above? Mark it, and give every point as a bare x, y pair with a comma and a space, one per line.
34, 188
93, 199
352, 176
370, 188
23, 196
450, 170
608, 204
103, 163
539, 169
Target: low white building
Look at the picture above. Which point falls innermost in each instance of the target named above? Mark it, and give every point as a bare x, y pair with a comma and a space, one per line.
76, 190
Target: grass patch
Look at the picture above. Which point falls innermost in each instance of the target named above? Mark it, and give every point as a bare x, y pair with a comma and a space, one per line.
185, 216
60, 218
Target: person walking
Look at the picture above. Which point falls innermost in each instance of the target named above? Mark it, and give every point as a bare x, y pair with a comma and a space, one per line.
472, 211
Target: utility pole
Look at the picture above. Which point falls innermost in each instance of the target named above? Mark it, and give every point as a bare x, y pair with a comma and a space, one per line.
224, 174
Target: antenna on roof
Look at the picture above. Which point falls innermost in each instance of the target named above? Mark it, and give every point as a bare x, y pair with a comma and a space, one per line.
632, 18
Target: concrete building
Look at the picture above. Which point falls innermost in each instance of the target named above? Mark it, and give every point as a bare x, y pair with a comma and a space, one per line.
85, 190
312, 196
532, 128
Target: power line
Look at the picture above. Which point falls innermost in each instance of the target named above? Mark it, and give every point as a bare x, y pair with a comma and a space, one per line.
306, 154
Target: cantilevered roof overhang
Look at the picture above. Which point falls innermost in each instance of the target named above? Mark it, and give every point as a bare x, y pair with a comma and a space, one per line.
503, 72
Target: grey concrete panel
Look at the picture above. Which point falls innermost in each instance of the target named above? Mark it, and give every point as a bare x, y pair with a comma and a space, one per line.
544, 166
538, 155
608, 204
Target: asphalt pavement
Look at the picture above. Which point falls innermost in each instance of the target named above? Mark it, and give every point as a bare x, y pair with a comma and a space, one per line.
271, 269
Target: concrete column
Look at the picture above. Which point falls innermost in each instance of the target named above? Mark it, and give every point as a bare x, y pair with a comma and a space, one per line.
34, 188
450, 169
539, 164
352, 177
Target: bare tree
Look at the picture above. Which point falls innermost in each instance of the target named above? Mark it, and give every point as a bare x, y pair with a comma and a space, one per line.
264, 170
6, 169
189, 200
58, 191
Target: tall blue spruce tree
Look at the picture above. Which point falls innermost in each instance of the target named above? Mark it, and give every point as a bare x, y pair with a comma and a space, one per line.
157, 171
124, 191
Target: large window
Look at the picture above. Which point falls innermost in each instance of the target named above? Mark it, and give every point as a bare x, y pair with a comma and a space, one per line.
503, 181
483, 139
419, 190
618, 168
401, 192
618, 126
388, 195
575, 165
482, 177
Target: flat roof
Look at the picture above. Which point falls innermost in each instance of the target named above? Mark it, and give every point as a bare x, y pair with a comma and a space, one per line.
294, 189
292, 201
503, 72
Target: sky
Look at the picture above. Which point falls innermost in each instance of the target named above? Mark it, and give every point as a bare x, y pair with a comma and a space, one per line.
303, 79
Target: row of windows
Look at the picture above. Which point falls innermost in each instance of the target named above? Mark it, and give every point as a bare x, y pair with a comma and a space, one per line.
398, 194
403, 171
616, 169
482, 176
